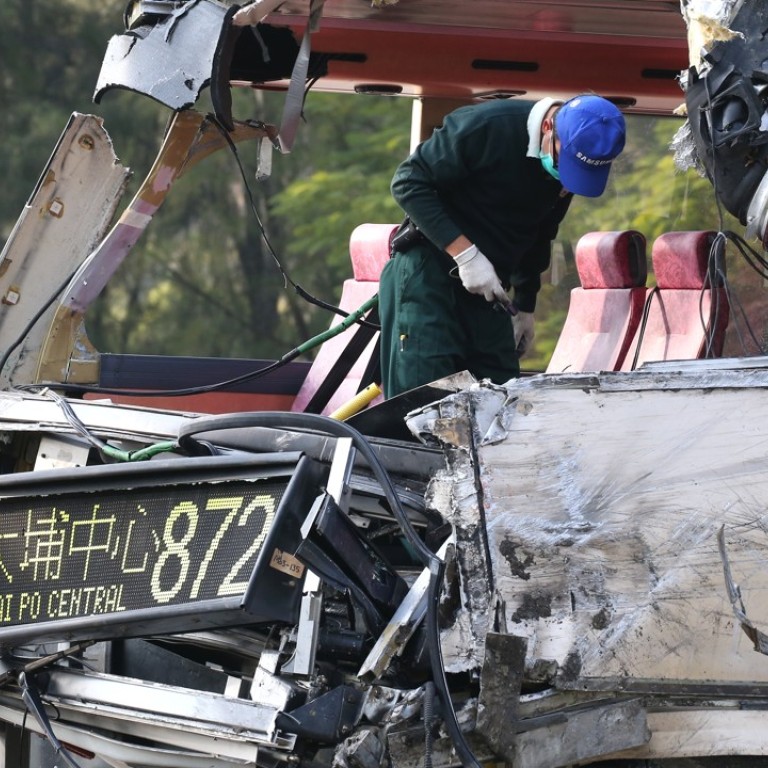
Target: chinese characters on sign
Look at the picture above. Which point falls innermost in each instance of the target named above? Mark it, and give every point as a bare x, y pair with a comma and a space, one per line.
76, 555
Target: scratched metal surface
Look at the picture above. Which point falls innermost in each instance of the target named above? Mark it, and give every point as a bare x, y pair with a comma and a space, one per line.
602, 507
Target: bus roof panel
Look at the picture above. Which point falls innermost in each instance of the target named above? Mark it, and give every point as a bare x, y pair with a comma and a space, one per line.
628, 50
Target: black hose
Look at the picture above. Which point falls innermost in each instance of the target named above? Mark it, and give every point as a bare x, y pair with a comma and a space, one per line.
313, 422
468, 760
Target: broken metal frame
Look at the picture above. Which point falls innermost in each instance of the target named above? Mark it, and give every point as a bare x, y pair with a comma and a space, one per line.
58, 227
636, 664
127, 753
197, 721
81, 697
191, 137
303, 660
42, 322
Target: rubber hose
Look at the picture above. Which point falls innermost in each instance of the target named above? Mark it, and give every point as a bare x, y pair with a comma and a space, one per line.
314, 422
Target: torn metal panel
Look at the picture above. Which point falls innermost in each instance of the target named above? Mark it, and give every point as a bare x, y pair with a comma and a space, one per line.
37, 413
457, 493
758, 638
582, 734
603, 538
190, 138
57, 230
500, 685
120, 752
171, 61
603, 560
66, 354
707, 22
172, 706
136, 720
403, 624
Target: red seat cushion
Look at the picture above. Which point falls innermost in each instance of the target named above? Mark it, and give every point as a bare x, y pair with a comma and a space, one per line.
686, 316
611, 260
605, 311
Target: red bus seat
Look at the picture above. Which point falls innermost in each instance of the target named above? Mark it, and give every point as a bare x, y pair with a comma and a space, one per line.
605, 311
687, 312
369, 252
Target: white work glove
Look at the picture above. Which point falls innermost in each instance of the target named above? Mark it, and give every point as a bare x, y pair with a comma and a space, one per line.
478, 275
523, 326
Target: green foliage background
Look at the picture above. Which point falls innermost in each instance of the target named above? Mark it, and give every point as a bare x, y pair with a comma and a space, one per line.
202, 281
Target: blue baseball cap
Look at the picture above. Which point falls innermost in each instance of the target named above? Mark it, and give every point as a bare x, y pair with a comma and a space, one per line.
592, 133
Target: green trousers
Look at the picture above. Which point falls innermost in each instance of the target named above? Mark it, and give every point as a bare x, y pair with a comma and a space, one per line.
432, 327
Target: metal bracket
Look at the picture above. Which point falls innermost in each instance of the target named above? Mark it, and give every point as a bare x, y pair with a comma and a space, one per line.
303, 660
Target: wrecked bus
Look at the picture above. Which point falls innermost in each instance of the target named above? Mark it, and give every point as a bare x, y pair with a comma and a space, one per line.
568, 569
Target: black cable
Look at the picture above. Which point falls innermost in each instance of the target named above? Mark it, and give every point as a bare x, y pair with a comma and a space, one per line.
21, 737
755, 259
468, 759
710, 325
643, 323
708, 115
262, 229
760, 265
310, 299
733, 301
708, 332
34, 704
313, 422
352, 318
199, 390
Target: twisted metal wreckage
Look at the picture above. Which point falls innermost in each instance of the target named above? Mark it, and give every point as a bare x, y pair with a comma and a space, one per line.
565, 569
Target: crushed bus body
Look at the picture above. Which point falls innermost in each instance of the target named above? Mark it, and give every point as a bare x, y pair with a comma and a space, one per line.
567, 569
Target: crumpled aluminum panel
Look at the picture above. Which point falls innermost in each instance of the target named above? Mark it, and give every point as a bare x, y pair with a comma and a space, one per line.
173, 62
593, 533
58, 228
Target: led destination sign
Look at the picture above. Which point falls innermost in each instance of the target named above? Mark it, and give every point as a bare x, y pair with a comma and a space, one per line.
180, 553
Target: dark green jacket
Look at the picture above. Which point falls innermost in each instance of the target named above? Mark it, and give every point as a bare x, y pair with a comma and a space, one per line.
472, 177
